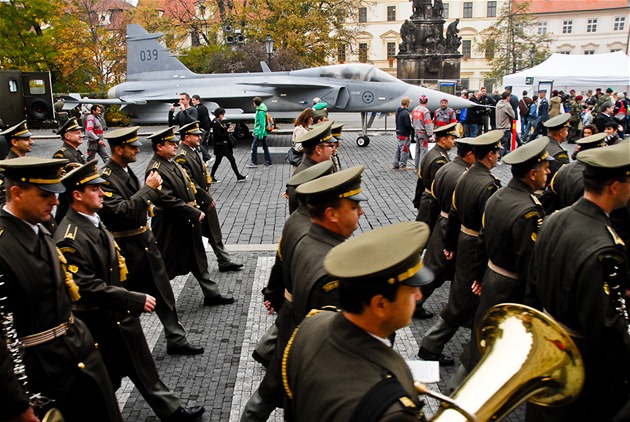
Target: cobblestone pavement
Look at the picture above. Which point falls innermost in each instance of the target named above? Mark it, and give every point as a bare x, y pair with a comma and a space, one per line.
252, 215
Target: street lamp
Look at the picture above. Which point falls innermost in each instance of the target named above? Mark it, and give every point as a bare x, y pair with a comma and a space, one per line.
269, 47
532, 55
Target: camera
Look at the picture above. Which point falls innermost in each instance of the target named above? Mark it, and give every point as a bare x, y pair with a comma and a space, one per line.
176, 104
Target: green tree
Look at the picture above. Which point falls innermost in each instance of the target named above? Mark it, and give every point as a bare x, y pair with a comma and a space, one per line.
513, 42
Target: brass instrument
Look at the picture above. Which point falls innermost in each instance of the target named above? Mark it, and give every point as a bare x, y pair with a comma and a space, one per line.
526, 356
613, 278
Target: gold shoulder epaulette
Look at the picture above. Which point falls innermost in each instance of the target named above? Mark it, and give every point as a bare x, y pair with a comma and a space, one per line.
618, 240
562, 155
278, 251
106, 171
536, 201
63, 149
70, 234
183, 152
330, 286
530, 214
156, 165
407, 402
180, 160
67, 249
107, 194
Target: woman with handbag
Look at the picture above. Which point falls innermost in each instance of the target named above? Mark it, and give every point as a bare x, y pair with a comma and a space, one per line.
302, 124
223, 145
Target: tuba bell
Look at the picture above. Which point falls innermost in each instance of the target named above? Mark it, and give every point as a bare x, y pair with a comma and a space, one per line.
526, 356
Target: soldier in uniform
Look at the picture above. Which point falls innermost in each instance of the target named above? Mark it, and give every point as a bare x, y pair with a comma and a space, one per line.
378, 273
460, 243
557, 132
566, 186
318, 146
20, 141
334, 204
442, 190
72, 137
335, 131
579, 278
191, 161
108, 309
506, 240
177, 220
431, 162
124, 212
60, 358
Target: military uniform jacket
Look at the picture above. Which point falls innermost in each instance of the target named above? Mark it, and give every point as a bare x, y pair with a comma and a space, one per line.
560, 155
197, 170
37, 297
566, 187
176, 221
73, 155
293, 198
125, 208
333, 363
569, 282
431, 162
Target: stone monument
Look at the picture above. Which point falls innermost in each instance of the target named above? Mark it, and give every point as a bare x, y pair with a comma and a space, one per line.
425, 53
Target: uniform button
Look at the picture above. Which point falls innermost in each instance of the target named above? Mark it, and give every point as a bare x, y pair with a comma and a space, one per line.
81, 365
96, 345
128, 312
147, 249
118, 322
111, 269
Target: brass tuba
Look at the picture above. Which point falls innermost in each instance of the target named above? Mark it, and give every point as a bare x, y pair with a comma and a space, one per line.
526, 356
53, 415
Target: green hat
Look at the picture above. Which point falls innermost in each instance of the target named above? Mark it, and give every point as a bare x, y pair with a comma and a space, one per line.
489, 140
41, 172
343, 184
71, 124
558, 122
449, 129
18, 131
320, 105
531, 153
607, 162
386, 255
593, 141
163, 135
320, 113
190, 129
86, 174
311, 173
124, 136
319, 133
335, 129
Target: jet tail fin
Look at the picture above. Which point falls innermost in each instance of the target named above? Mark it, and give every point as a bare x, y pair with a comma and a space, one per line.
147, 59
265, 67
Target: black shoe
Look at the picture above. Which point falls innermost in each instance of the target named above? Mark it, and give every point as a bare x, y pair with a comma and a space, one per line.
218, 300
186, 349
422, 313
241, 178
264, 362
444, 360
232, 266
184, 414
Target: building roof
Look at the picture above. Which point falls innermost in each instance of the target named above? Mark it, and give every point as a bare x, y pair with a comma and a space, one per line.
553, 6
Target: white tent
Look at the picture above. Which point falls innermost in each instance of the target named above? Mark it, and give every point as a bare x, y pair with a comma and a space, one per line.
574, 71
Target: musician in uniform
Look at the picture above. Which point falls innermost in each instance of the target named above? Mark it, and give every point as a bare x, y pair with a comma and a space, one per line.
460, 242
20, 143
335, 131
341, 365
190, 160
61, 360
72, 137
125, 207
177, 220
557, 132
108, 309
506, 239
579, 278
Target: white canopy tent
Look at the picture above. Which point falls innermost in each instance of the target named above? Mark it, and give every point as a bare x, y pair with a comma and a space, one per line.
574, 71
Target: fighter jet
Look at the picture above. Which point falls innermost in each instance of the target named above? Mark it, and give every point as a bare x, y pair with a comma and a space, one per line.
155, 78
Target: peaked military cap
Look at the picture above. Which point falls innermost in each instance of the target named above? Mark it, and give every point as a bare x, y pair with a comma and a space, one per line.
163, 135
607, 162
335, 129
311, 173
126, 135
383, 256
71, 124
18, 131
558, 122
464, 143
320, 113
449, 129
531, 153
319, 133
86, 174
344, 184
190, 129
489, 140
593, 141
43, 173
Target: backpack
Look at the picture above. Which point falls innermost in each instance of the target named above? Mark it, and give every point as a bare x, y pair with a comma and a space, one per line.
271, 123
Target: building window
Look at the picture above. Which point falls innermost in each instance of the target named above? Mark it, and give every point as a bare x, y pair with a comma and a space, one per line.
614, 50
567, 27
468, 9
445, 11
589, 52
620, 23
341, 53
591, 25
466, 48
542, 28
363, 52
362, 14
391, 13
492, 9
391, 49
564, 52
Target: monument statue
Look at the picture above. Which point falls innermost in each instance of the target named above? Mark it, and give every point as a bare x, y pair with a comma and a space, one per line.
453, 40
438, 9
408, 35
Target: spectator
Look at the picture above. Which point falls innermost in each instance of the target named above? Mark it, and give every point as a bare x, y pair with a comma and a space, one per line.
186, 114
543, 115
555, 104
444, 115
532, 115
504, 117
423, 127
485, 122
95, 126
523, 112
576, 114
604, 116
612, 136
260, 134
474, 116
404, 132
203, 115
222, 145
302, 125
620, 112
